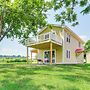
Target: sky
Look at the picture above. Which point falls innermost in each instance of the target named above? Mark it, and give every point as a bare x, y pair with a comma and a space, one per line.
9, 47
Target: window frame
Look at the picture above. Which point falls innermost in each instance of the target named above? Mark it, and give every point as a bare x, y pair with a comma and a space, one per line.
68, 54
46, 36
68, 38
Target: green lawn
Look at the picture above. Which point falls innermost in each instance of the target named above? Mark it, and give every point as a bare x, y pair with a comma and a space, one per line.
47, 77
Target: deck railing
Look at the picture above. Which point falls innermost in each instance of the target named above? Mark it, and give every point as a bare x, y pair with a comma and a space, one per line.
44, 37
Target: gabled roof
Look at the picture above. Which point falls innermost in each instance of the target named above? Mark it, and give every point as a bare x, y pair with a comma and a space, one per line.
42, 29
56, 25
73, 34
65, 28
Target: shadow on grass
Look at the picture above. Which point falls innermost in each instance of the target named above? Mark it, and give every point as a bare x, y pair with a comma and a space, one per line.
17, 76
72, 88
75, 78
24, 70
19, 84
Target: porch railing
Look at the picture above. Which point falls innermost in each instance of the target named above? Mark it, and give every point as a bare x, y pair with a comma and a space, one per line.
44, 37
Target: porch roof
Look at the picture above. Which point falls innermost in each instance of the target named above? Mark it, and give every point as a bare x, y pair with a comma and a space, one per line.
45, 45
34, 51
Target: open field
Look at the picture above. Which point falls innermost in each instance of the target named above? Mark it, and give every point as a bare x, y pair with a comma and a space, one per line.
16, 61
7, 60
44, 77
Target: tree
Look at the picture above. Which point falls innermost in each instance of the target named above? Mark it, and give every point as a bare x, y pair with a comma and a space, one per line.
87, 46
68, 10
21, 18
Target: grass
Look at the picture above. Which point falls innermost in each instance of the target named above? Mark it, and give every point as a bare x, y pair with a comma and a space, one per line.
44, 77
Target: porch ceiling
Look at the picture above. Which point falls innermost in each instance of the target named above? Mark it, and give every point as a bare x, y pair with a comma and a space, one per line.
45, 45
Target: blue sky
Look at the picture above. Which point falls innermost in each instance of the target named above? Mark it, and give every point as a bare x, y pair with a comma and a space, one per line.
9, 47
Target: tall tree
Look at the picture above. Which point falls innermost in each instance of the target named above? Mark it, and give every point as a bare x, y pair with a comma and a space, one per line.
87, 46
68, 10
22, 17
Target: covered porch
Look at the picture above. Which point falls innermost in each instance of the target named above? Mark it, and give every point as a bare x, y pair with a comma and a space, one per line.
46, 51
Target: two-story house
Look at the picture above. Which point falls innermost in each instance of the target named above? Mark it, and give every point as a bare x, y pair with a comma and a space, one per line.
57, 45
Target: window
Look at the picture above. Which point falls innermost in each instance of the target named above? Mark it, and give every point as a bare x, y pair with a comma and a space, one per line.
54, 32
68, 38
68, 54
47, 56
47, 36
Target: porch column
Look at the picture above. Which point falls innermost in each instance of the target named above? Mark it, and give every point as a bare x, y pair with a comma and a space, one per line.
50, 52
27, 55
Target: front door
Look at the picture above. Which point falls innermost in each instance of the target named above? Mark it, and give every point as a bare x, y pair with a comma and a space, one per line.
47, 56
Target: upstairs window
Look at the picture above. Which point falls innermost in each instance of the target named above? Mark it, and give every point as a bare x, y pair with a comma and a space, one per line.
68, 38
47, 36
54, 32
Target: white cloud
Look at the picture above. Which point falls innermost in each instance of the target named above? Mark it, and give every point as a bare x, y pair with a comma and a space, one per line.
12, 51
8, 47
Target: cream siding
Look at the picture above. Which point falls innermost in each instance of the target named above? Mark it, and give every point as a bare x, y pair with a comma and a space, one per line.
40, 54
58, 30
59, 55
72, 46
61, 50
88, 57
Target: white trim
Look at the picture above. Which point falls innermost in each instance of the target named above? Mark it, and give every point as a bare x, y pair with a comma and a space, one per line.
49, 50
42, 30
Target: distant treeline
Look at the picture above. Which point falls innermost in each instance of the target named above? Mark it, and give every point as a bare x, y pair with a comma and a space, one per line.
11, 56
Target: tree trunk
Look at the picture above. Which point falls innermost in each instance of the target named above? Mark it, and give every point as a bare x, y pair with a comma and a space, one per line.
5, 33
